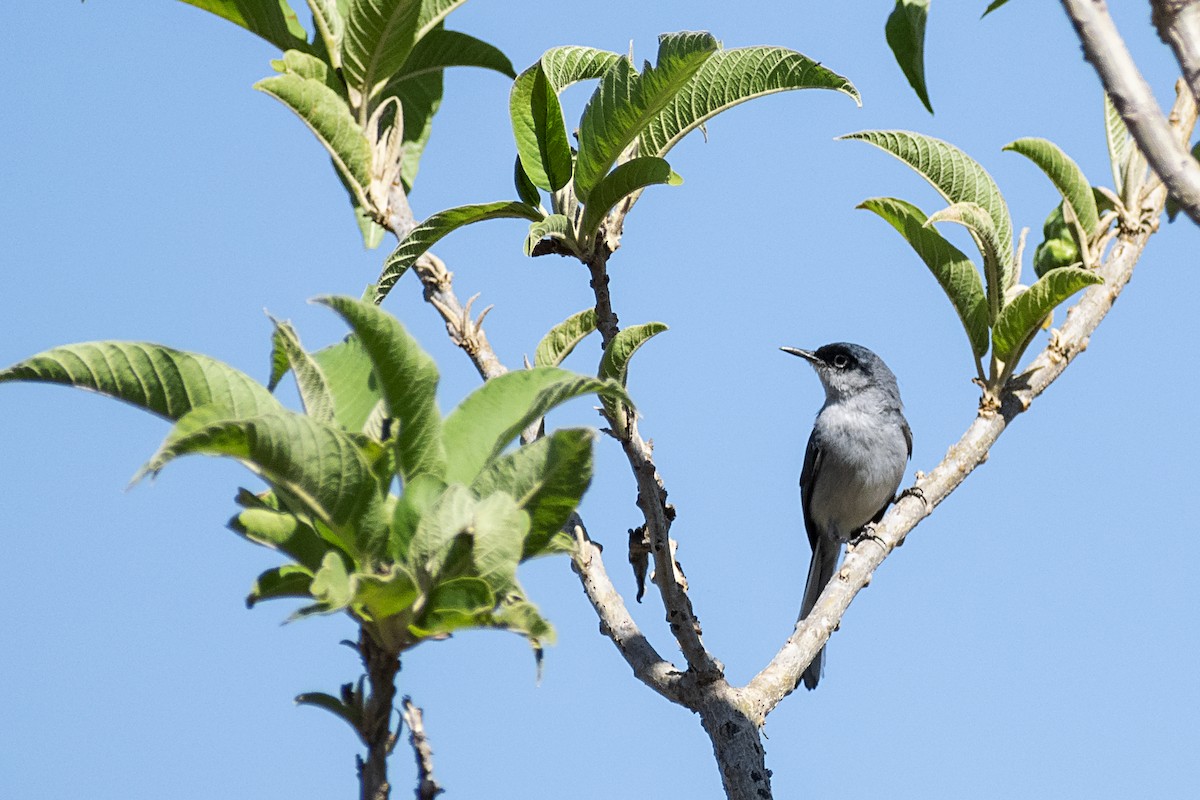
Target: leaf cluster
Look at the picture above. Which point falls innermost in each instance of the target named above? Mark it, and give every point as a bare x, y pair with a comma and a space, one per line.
627, 128
412, 523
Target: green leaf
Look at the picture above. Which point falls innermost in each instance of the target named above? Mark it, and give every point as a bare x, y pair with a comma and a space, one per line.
993, 6
273, 20
729, 78
905, 31
1021, 317
348, 714
951, 268
420, 97
614, 364
522, 617
282, 531
380, 34
538, 127
625, 103
280, 366
446, 521
327, 115
428, 233
632, 176
306, 65
956, 176
562, 338
555, 226
1058, 247
289, 580
442, 48
500, 528
408, 379
975, 218
432, 14
526, 190
161, 380
331, 585
330, 26
388, 593
1066, 176
570, 64
420, 495
319, 466
495, 413
455, 604
310, 379
1119, 142
547, 477
351, 377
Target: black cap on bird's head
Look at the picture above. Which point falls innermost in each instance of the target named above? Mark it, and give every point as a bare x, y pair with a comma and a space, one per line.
848, 369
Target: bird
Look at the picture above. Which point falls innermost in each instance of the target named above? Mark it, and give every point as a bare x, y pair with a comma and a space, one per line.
856, 457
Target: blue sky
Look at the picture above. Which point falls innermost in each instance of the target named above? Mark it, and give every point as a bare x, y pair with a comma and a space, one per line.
1036, 637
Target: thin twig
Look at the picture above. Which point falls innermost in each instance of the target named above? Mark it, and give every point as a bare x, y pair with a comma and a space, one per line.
427, 786
1104, 48
381, 667
780, 677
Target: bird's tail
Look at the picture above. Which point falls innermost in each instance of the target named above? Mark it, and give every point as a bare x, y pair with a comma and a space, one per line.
820, 570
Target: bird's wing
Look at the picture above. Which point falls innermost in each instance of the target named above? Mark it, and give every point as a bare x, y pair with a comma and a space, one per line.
907, 436
808, 477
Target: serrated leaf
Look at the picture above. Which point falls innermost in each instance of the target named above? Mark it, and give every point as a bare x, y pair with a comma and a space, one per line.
729, 78
1066, 176
408, 380
975, 218
905, 32
555, 226
282, 531
495, 413
289, 580
350, 374
310, 379
632, 176
379, 36
539, 130
547, 477
319, 466
162, 380
428, 233
956, 176
329, 118
625, 103
330, 26
614, 364
1020, 318
273, 20
953, 271
562, 338
441, 49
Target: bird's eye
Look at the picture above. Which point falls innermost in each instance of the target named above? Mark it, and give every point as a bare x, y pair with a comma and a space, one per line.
840, 361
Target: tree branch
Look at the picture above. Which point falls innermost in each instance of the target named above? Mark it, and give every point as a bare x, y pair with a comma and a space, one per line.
427, 786
381, 666
1104, 48
781, 676
1178, 23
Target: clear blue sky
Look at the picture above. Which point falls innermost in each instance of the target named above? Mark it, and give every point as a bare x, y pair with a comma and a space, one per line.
1037, 637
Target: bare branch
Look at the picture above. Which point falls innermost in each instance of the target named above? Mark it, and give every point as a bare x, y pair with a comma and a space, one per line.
427, 785
464, 331
1104, 48
1178, 23
381, 666
781, 676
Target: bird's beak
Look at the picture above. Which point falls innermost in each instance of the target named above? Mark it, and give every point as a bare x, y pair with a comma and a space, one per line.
807, 355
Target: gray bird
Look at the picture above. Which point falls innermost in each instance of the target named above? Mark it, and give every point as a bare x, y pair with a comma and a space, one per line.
856, 457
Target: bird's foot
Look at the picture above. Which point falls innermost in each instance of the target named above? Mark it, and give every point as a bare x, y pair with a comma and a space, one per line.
865, 533
911, 491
